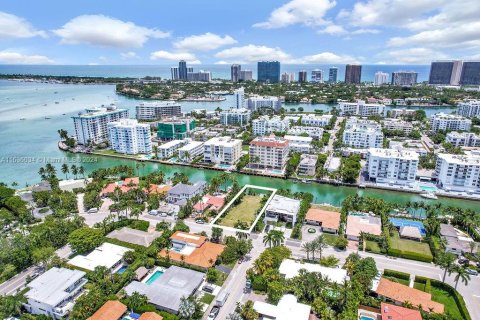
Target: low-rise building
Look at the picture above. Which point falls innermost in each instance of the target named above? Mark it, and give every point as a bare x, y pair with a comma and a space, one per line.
222, 150
256, 103
328, 220
290, 269
463, 139
287, 308
158, 110
398, 125
134, 236
362, 134
314, 132
233, 116
282, 209
54, 293
299, 143
111, 310
175, 128
392, 166
449, 122
107, 255
269, 152
410, 145
307, 165
459, 172
456, 242
356, 224
182, 192
168, 150
397, 113
129, 137
265, 125
360, 108
316, 120
190, 151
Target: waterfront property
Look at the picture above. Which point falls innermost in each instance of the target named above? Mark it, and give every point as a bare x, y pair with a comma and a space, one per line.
222, 150
134, 236
180, 193
214, 203
291, 268
107, 255
175, 128
287, 308
299, 143
328, 220
356, 224
124, 186
129, 137
190, 151
166, 291
282, 209
360, 108
392, 166
399, 223
257, 103
168, 150
54, 293
111, 310
459, 172
449, 122
269, 153
307, 165
193, 250
158, 110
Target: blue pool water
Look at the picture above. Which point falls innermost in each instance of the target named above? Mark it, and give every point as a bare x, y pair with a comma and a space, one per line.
225, 166
366, 318
411, 223
428, 188
157, 274
122, 269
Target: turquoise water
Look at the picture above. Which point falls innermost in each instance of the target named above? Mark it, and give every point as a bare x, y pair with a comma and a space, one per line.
157, 274
122, 269
428, 188
366, 318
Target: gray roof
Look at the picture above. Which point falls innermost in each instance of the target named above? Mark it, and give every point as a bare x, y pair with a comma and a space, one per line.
50, 287
141, 272
284, 205
181, 188
410, 232
42, 186
447, 230
134, 236
458, 245
169, 288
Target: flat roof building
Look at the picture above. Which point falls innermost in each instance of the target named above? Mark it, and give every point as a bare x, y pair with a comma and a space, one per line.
107, 255
287, 308
392, 166
459, 172
360, 108
366, 224
158, 110
134, 236
308, 165
291, 268
269, 152
449, 122
282, 208
222, 150
127, 136
299, 143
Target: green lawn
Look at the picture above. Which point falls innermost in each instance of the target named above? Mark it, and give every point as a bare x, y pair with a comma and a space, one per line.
207, 298
330, 238
402, 281
443, 297
113, 153
245, 211
326, 208
410, 246
372, 246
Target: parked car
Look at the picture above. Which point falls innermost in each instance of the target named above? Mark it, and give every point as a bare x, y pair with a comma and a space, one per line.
471, 272
221, 298
463, 260
200, 221
153, 212
208, 288
213, 313
92, 210
163, 214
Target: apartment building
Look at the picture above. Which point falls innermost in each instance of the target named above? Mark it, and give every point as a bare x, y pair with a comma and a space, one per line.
239, 95
314, 132
157, 111
392, 166
397, 113
264, 125
167, 150
315, 120
398, 125
190, 151
449, 122
91, 126
459, 172
239, 117
307, 165
469, 108
269, 152
360, 108
222, 150
360, 133
256, 102
175, 128
129, 137
463, 139
299, 143
54, 293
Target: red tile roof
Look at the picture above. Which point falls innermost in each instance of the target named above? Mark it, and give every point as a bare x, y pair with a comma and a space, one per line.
393, 312
328, 219
269, 142
150, 316
111, 310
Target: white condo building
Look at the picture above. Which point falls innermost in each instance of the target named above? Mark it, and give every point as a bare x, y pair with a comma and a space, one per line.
157, 111
190, 151
360, 108
91, 126
381, 78
239, 96
469, 108
54, 293
459, 172
398, 125
257, 102
167, 150
239, 116
463, 139
314, 132
264, 125
129, 137
316, 121
222, 150
308, 164
360, 133
392, 166
299, 143
397, 113
448, 122
269, 152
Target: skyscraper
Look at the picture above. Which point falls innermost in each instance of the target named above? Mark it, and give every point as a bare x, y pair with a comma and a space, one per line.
174, 71
182, 70
268, 71
246, 75
239, 98
353, 73
404, 78
380, 78
302, 76
235, 71
317, 76
470, 73
445, 72
332, 74
288, 77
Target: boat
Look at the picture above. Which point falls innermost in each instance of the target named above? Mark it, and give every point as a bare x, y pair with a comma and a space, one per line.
362, 186
63, 114
429, 195
47, 118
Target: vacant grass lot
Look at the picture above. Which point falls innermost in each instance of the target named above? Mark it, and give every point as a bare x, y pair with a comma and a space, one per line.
245, 211
405, 245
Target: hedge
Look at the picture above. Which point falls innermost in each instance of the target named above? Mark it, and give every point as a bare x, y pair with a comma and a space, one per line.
121, 243
396, 274
462, 307
410, 255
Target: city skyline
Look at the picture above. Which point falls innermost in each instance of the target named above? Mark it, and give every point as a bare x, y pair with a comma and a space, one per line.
381, 32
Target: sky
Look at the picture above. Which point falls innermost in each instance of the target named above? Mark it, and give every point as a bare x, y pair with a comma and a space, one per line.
144, 32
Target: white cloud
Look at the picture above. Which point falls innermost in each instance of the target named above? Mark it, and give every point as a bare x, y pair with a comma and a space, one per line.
412, 56
252, 53
129, 55
10, 57
307, 12
329, 57
203, 42
100, 30
333, 29
12, 26
174, 56
365, 31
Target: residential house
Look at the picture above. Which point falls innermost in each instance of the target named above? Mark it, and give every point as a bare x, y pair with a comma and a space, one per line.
282, 209
328, 220
180, 193
356, 224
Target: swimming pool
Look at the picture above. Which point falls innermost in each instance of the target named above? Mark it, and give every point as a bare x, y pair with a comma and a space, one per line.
428, 188
157, 274
122, 269
411, 223
364, 317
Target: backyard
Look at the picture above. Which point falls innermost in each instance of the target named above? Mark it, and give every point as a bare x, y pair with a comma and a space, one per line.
245, 211
409, 249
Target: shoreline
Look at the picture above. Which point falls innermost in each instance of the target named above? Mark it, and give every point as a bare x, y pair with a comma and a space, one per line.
64, 148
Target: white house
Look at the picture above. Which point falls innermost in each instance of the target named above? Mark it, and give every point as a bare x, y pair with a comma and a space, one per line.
287, 309
299, 143
107, 255
222, 150
282, 209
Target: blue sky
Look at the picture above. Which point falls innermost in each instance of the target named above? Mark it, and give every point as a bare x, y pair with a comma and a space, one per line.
238, 31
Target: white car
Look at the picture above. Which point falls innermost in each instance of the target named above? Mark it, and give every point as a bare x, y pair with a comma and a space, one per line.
153, 212
92, 210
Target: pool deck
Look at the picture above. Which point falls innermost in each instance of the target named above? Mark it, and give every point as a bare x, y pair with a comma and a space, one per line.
151, 273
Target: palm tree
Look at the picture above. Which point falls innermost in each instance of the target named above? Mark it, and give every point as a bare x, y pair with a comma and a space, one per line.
320, 244
447, 262
155, 151
234, 316
306, 249
186, 155
74, 170
65, 170
136, 300
81, 170
14, 184
461, 274
186, 310
248, 312
50, 170
273, 238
